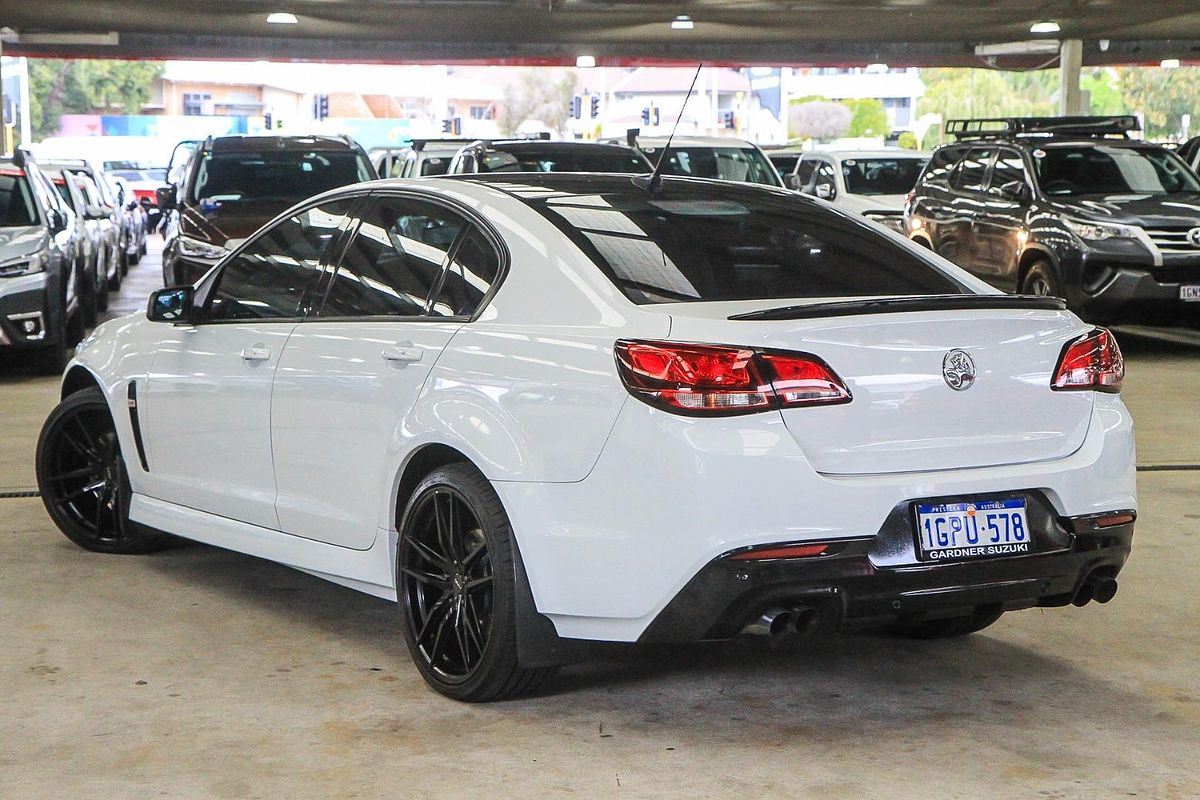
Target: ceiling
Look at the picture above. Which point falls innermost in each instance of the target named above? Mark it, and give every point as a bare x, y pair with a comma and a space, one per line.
897, 32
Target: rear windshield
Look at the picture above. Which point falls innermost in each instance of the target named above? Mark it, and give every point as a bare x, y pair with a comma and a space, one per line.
550, 161
1100, 169
684, 245
17, 209
275, 175
881, 175
784, 164
741, 164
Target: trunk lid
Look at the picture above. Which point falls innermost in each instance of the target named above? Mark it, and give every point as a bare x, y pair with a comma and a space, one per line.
904, 415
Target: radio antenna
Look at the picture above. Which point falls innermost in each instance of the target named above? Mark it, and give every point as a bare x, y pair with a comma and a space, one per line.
656, 176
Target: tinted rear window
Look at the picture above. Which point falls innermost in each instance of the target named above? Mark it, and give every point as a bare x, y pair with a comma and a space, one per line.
582, 160
881, 175
683, 245
741, 164
275, 175
16, 200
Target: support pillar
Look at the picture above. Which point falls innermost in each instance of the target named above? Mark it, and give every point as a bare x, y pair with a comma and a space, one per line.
1070, 98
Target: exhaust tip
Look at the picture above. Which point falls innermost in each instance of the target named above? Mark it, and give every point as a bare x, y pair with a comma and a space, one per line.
805, 620
1085, 595
773, 622
1106, 589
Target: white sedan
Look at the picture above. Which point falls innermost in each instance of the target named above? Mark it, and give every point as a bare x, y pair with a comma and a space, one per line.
546, 410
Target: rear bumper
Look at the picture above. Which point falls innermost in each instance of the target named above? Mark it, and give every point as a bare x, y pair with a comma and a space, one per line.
849, 588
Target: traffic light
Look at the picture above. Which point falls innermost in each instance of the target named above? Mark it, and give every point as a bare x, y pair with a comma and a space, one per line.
267, 121
595, 106
320, 106
656, 115
727, 120
576, 107
447, 125
646, 116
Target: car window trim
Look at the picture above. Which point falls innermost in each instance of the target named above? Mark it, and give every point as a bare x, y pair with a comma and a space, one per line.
471, 216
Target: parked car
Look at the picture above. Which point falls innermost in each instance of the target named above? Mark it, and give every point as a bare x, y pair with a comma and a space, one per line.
546, 409
136, 220
873, 183
1068, 207
93, 255
783, 159
717, 157
39, 277
104, 202
542, 155
231, 185
103, 225
422, 159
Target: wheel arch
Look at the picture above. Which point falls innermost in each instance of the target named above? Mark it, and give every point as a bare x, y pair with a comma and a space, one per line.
76, 379
1032, 255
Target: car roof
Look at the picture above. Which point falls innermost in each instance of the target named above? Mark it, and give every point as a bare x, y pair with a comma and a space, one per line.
695, 141
547, 146
248, 143
882, 152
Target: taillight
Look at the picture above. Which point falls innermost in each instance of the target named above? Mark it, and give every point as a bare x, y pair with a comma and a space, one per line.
1092, 362
718, 380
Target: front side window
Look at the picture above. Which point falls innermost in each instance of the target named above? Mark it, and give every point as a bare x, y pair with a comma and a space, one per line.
973, 169
804, 173
273, 276
272, 175
1105, 169
395, 261
784, 164
881, 176
686, 246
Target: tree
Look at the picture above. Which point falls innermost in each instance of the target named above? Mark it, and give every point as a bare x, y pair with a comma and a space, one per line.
869, 118
958, 93
818, 119
84, 86
1161, 96
537, 95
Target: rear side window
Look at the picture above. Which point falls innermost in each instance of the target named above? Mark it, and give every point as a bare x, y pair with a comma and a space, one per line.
271, 278
16, 200
394, 264
941, 165
685, 246
971, 171
1009, 168
471, 273
805, 172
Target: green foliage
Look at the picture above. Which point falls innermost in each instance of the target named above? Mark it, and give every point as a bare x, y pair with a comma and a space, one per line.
85, 86
540, 95
1105, 92
1161, 96
868, 118
958, 93
907, 140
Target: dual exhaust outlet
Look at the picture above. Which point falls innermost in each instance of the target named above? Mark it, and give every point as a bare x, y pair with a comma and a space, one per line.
777, 622
1100, 588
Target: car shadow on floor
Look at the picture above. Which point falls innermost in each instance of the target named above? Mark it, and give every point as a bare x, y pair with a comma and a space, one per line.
821, 685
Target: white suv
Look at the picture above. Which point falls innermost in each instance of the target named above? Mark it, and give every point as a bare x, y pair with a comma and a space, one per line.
872, 183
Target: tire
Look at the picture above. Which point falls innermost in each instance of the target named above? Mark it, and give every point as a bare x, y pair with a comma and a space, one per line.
83, 481
454, 564
946, 628
1042, 280
52, 358
114, 283
142, 246
89, 298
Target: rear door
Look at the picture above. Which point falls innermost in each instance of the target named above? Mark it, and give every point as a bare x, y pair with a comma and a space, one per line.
1000, 229
414, 272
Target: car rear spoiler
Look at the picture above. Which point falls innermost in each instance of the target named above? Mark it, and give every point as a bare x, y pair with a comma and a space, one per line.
900, 305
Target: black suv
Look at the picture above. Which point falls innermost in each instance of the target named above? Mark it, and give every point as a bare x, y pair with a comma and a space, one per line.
1066, 206
233, 185
540, 155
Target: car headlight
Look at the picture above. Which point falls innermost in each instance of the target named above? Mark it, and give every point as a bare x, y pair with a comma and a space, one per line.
1098, 231
195, 248
26, 265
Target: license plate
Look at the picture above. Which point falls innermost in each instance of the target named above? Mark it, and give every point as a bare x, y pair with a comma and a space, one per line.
1190, 294
983, 529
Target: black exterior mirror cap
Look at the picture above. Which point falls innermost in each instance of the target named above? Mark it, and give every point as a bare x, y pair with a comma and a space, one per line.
173, 304
166, 196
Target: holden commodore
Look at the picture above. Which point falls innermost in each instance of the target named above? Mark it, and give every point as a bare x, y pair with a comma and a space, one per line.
546, 410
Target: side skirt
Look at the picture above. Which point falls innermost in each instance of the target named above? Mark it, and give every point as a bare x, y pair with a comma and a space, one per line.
368, 571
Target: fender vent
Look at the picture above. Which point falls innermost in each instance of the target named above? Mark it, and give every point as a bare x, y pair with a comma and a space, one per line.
131, 396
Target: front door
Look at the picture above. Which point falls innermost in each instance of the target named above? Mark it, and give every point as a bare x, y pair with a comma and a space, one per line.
206, 405
414, 272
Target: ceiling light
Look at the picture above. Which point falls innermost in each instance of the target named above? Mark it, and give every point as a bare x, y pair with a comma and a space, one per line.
282, 18
682, 23
1044, 27
1169, 63
585, 62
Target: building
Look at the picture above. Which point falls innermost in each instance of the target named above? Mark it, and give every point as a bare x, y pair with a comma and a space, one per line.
897, 88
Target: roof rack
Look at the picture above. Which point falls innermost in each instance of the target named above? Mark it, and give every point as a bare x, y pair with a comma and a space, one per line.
996, 127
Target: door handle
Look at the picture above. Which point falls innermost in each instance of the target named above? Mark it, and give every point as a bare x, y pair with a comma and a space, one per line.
406, 352
256, 353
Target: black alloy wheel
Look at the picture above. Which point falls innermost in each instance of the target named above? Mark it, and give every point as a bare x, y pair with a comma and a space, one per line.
454, 574
1041, 281
82, 477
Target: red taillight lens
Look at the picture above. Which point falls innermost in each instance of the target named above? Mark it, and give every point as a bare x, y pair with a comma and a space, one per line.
714, 380
1093, 362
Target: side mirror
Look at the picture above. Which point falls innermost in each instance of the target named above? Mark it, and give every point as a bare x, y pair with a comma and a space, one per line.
824, 191
57, 221
1015, 190
173, 304
166, 196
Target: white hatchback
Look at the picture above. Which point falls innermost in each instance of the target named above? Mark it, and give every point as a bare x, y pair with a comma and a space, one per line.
546, 410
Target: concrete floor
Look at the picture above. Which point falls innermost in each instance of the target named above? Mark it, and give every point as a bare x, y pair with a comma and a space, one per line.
198, 673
